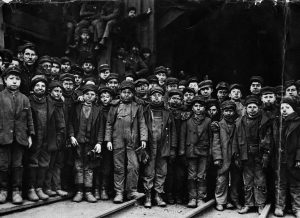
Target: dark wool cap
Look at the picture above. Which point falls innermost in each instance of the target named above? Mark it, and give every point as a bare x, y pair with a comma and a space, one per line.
6, 54
55, 84
199, 99
127, 85
289, 83
252, 99
84, 30
291, 101
267, 90
105, 89
160, 69
91, 78
182, 83
175, 92
140, 82
257, 79
188, 89
157, 90
172, 80
152, 79
89, 59
228, 105
222, 85
113, 76
76, 69
212, 102
279, 89
12, 71
38, 78
88, 87
28, 45
67, 76
130, 74
43, 59
235, 86
192, 79
298, 83
65, 59
56, 60
103, 67
205, 83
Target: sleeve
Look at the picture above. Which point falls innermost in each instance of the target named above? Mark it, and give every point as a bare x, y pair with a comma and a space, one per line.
182, 138
100, 136
216, 146
71, 122
113, 15
109, 124
142, 125
60, 124
174, 143
235, 143
297, 157
142, 68
30, 125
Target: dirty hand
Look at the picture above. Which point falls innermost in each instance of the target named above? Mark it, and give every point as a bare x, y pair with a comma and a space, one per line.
74, 141
143, 144
29, 141
297, 164
98, 148
218, 163
109, 146
214, 126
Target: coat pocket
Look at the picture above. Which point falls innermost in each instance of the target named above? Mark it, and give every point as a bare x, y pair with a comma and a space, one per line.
201, 149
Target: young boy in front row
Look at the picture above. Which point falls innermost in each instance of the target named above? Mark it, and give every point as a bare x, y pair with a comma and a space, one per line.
195, 138
16, 129
84, 130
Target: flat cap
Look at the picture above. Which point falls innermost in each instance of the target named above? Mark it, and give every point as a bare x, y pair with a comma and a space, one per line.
152, 79
258, 79
182, 83
113, 76
105, 89
44, 58
188, 89
222, 85
67, 76
205, 83
88, 59
252, 99
56, 60
267, 90
212, 102
279, 89
291, 101
12, 71
228, 105
76, 69
235, 86
88, 87
289, 83
192, 79
157, 90
84, 30
175, 92
65, 59
103, 67
55, 84
38, 78
141, 81
6, 54
160, 69
172, 80
127, 85
29, 45
199, 99
130, 74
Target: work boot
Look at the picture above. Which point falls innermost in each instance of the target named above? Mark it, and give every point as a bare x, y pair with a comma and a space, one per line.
134, 195
237, 206
244, 210
159, 201
192, 203
170, 198
32, 196
3, 196
178, 199
297, 214
89, 197
229, 205
200, 202
78, 197
61, 193
103, 194
278, 212
97, 194
40, 193
50, 193
260, 209
118, 198
17, 196
148, 203
219, 207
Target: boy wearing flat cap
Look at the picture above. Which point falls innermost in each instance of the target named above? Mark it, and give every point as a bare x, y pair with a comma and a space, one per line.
50, 135
125, 132
195, 144
256, 83
222, 91
142, 89
206, 89
161, 74
287, 158
85, 136
103, 73
16, 130
235, 95
252, 147
222, 153
65, 64
55, 69
162, 146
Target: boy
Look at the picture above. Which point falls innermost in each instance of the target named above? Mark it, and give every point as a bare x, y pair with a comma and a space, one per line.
161, 74
222, 91
103, 73
206, 89
162, 146
16, 130
55, 69
88, 67
235, 95
65, 64
222, 153
50, 129
125, 129
256, 83
195, 144
84, 132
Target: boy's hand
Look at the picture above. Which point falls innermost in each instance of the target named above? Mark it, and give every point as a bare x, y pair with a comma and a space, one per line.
80, 98
149, 11
98, 148
297, 164
109, 146
143, 144
29, 141
218, 163
74, 141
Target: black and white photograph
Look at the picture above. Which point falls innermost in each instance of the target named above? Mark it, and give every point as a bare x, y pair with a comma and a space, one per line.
149, 108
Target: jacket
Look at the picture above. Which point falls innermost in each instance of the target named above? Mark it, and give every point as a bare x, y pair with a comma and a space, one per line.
19, 124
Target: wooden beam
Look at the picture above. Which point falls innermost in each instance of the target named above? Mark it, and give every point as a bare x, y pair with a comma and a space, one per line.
1, 28
200, 209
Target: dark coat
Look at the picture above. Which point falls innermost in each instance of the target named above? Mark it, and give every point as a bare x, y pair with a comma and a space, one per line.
138, 126
195, 139
292, 139
19, 124
75, 122
222, 146
26, 76
168, 143
55, 125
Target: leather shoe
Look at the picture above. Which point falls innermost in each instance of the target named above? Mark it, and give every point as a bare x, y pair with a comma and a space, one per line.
40, 193
260, 209
32, 196
61, 193
89, 197
159, 201
244, 210
50, 193
237, 206
200, 202
229, 205
178, 200
192, 203
17, 197
78, 197
3, 196
118, 198
219, 207
278, 212
148, 203
170, 198
103, 194
97, 194
297, 214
